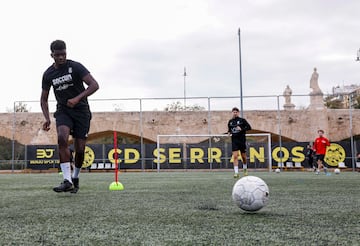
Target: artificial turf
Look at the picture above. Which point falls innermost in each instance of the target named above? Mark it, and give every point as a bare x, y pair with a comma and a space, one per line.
179, 208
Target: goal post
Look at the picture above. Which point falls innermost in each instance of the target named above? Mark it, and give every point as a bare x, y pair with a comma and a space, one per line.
212, 149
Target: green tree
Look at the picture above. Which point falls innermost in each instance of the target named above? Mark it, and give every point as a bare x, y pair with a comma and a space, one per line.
333, 102
357, 104
6, 149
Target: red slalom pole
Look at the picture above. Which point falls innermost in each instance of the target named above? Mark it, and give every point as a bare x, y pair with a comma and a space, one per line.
116, 185
116, 157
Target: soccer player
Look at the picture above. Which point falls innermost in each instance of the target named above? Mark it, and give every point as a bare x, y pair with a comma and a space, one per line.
320, 145
310, 156
72, 114
237, 127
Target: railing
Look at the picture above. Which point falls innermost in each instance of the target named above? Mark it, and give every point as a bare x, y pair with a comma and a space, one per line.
261, 103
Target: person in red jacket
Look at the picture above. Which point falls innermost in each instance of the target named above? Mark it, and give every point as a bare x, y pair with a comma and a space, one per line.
320, 145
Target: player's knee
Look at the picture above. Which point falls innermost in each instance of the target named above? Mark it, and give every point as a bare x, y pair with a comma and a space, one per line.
62, 142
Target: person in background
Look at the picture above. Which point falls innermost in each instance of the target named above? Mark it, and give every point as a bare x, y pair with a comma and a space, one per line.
237, 127
310, 157
320, 145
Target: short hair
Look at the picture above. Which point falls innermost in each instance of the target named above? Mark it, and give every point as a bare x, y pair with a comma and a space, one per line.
322, 131
57, 45
235, 109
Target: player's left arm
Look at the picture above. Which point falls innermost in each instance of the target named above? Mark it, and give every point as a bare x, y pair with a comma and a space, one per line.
92, 87
328, 143
245, 126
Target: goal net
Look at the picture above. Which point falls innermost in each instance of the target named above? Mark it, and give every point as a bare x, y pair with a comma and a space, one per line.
210, 151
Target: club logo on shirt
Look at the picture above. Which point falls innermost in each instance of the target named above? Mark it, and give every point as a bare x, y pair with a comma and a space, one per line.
70, 70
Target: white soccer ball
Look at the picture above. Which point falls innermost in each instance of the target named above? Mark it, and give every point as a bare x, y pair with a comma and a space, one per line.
337, 171
250, 193
277, 170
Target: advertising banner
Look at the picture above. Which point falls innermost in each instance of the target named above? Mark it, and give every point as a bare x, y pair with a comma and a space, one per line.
186, 156
42, 156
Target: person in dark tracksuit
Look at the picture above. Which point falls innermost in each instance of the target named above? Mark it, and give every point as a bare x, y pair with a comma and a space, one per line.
237, 128
310, 156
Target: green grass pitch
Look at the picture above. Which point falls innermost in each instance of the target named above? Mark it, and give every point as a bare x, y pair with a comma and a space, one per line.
179, 208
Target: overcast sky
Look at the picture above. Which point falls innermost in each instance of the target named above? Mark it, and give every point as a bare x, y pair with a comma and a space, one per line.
139, 48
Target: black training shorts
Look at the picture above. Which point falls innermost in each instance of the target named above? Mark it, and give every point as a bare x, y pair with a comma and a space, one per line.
77, 119
320, 157
238, 144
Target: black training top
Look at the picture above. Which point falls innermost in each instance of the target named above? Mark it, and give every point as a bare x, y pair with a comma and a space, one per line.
67, 82
309, 152
237, 121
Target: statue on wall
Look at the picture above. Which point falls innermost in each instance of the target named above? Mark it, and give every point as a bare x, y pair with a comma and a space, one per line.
314, 84
316, 95
287, 95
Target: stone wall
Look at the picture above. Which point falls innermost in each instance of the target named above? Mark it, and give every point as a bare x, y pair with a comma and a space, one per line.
295, 125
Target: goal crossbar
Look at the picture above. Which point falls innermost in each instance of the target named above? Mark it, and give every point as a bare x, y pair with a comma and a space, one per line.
268, 135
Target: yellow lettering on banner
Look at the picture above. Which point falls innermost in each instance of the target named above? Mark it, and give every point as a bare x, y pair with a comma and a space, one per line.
162, 157
276, 156
258, 155
174, 155
298, 155
44, 153
196, 154
111, 155
135, 153
214, 154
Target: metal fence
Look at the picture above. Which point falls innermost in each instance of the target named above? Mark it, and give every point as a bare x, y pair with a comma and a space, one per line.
208, 104
264, 102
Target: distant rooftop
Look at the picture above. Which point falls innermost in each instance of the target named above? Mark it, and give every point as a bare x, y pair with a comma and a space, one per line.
345, 89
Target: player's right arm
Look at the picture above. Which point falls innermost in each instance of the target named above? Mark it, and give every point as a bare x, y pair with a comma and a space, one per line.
229, 128
45, 109
315, 146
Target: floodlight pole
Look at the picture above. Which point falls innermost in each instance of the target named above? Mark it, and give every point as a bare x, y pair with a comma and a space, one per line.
351, 134
13, 140
184, 87
279, 125
240, 69
353, 162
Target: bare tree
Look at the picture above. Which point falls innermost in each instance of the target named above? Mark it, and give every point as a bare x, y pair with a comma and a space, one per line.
177, 106
19, 108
